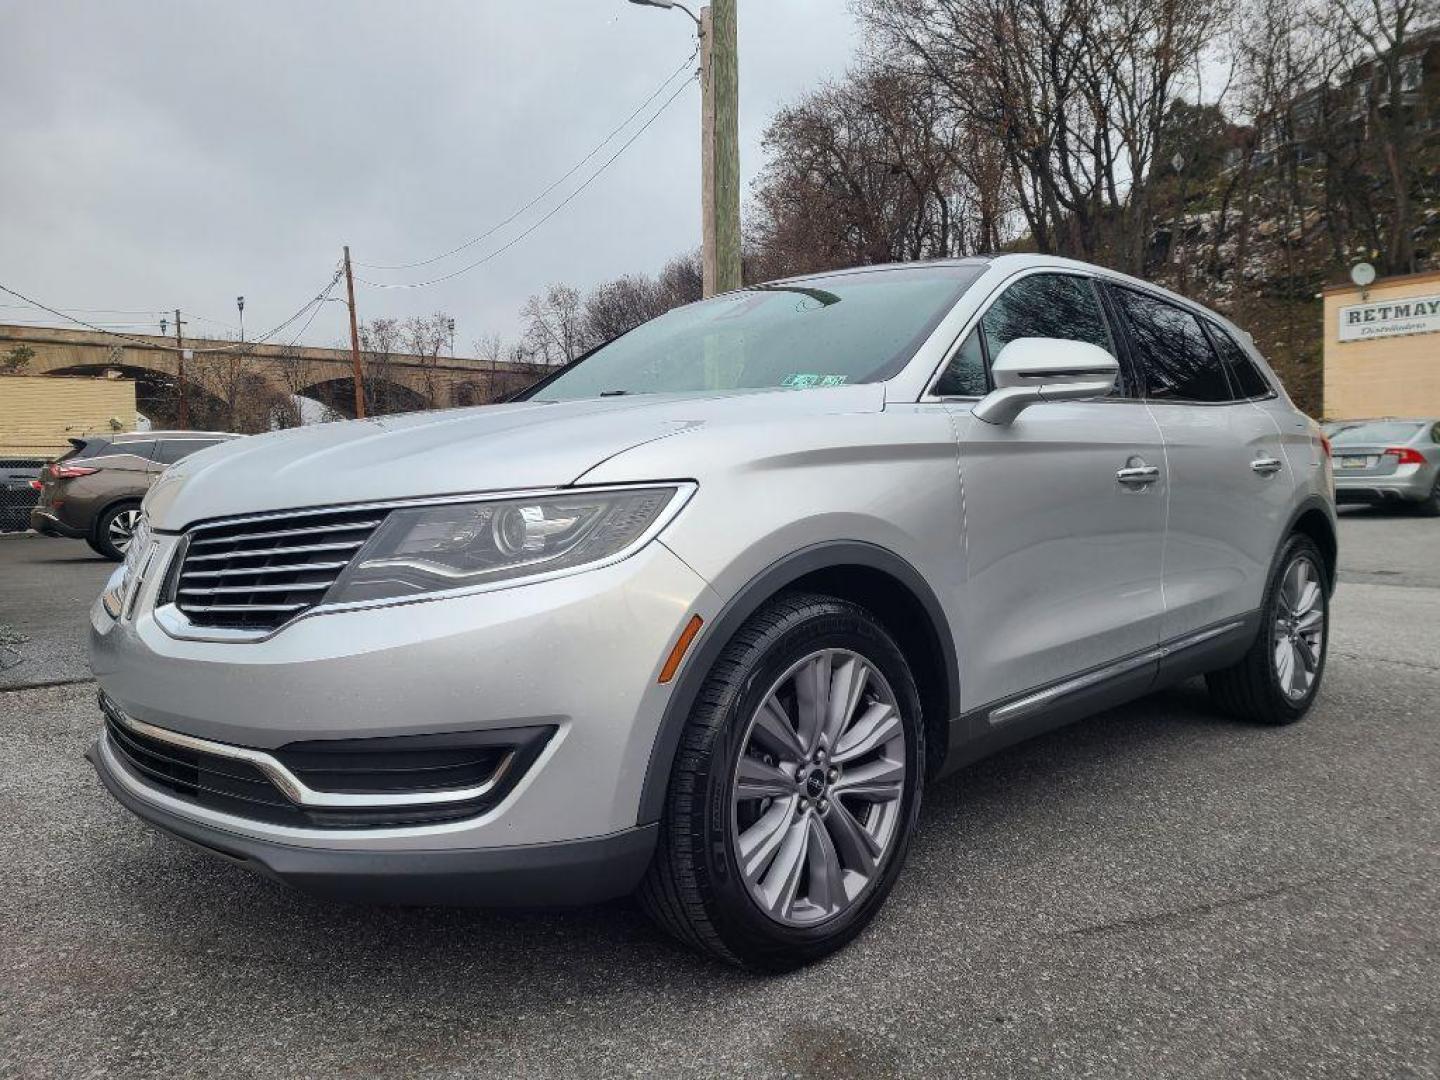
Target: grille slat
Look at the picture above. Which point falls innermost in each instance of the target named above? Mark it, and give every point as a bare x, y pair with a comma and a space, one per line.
222, 590
256, 553
254, 575
308, 531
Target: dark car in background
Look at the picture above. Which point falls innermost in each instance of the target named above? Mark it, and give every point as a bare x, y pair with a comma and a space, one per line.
93, 492
18, 476
1387, 462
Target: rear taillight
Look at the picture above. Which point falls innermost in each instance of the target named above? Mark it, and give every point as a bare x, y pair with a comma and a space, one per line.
1325, 442
69, 472
37, 485
1403, 455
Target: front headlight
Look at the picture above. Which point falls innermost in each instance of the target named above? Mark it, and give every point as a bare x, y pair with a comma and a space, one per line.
428, 549
124, 577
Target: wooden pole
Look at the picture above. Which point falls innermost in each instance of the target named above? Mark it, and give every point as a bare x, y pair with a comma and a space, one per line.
720, 76
359, 375
184, 420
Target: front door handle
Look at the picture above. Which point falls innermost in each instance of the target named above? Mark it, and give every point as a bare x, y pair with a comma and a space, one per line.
1138, 476
1266, 466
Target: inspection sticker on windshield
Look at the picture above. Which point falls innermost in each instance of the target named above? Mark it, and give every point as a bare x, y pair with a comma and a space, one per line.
802, 380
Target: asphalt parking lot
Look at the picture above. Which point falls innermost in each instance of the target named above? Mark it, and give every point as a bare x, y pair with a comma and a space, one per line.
1158, 891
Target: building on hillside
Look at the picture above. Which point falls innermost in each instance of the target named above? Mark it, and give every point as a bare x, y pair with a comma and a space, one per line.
1382, 348
39, 415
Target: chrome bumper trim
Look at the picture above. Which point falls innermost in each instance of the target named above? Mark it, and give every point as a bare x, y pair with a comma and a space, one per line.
295, 789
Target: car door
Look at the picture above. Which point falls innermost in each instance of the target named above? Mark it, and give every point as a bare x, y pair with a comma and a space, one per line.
1062, 553
1230, 481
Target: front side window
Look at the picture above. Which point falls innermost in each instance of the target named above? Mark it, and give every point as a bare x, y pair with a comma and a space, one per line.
1175, 356
1245, 377
818, 331
1042, 305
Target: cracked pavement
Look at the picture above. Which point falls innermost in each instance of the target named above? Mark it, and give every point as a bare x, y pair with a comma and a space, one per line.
1155, 892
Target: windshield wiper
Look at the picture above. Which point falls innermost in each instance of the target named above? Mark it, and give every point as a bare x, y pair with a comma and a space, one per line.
615, 393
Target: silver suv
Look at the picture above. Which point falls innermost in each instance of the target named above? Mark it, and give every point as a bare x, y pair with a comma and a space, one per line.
702, 616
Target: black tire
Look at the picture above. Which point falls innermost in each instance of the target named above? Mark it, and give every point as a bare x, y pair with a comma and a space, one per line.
1250, 689
1430, 507
694, 888
99, 539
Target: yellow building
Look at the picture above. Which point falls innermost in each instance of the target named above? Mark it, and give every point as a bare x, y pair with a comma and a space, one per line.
38, 414
1382, 348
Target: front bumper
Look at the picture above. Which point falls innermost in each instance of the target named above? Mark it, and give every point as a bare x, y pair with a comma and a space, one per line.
580, 654
535, 875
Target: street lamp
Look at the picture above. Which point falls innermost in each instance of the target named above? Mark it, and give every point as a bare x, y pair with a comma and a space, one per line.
667, 4
719, 142
240, 303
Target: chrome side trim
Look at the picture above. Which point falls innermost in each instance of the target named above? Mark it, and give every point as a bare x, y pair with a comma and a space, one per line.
295, 789
1033, 703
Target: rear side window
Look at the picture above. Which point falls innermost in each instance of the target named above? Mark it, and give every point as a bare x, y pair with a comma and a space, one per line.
1177, 361
170, 451
1245, 377
144, 448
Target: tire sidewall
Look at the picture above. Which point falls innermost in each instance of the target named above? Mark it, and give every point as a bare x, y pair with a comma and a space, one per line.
1296, 547
101, 537
744, 927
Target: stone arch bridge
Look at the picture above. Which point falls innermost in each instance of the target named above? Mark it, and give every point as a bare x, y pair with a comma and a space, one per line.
241, 379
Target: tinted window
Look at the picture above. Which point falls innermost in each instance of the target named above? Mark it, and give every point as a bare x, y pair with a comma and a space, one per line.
1046, 305
1245, 377
966, 374
819, 331
1175, 355
170, 451
144, 448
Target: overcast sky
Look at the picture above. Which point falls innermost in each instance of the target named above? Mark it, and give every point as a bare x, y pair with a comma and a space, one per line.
162, 154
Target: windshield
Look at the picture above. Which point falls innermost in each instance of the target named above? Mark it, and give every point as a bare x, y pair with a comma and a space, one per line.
1388, 431
820, 331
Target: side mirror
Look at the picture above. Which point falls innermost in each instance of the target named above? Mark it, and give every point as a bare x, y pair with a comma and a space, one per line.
1035, 369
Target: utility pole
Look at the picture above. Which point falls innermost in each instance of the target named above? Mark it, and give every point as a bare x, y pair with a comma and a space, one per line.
354, 340
184, 420
720, 147
719, 142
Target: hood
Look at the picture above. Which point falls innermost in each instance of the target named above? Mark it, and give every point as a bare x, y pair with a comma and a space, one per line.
489, 448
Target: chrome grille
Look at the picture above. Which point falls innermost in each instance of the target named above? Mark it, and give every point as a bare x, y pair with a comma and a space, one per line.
259, 574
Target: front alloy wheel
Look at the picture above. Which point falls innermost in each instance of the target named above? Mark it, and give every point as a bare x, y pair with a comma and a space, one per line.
795, 789
818, 787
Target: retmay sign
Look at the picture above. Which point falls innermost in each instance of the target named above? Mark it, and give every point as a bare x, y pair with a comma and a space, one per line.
1413, 315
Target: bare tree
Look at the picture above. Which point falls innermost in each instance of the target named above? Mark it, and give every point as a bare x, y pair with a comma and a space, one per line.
425, 337
555, 332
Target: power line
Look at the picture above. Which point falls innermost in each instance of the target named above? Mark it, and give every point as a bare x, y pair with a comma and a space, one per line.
569, 173
551, 213
150, 343
99, 310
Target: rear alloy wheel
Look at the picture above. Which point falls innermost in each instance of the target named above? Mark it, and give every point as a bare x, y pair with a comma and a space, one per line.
114, 530
795, 789
1277, 679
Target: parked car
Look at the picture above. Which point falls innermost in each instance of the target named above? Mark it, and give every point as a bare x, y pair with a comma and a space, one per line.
1387, 462
703, 614
17, 493
93, 491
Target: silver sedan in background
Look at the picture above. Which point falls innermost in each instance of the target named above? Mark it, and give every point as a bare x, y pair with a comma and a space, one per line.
1383, 462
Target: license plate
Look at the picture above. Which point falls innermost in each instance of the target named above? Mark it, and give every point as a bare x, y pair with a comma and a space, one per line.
1353, 462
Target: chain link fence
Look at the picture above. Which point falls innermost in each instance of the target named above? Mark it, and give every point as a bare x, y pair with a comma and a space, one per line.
19, 465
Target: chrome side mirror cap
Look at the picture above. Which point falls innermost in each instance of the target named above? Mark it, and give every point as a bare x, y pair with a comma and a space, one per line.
1030, 370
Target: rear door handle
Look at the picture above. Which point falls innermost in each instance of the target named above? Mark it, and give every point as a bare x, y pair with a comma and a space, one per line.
1138, 476
1266, 466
